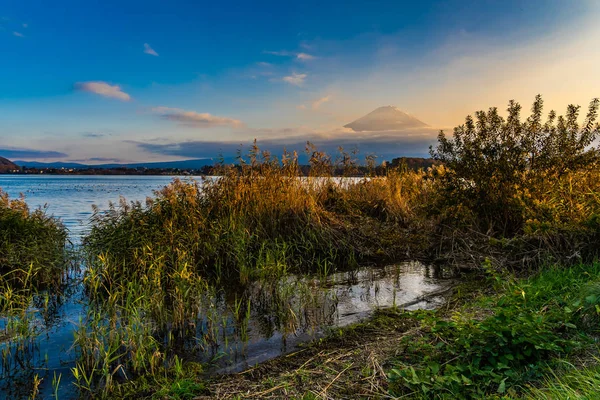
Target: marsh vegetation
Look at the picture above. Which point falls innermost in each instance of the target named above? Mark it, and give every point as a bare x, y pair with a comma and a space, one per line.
173, 285
34, 266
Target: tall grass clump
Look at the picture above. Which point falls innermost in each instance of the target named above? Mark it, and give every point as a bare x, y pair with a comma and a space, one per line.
568, 383
155, 270
260, 218
32, 252
33, 268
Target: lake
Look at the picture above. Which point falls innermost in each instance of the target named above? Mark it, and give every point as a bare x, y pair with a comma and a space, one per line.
312, 304
70, 197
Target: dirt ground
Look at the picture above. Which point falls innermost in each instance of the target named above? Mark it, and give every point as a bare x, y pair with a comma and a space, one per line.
348, 364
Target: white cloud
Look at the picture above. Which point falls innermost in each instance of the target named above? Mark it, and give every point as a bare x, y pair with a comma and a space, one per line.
317, 103
18, 34
203, 120
149, 50
103, 89
295, 79
304, 57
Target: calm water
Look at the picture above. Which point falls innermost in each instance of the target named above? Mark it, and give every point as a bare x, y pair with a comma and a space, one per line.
284, 314
71, 197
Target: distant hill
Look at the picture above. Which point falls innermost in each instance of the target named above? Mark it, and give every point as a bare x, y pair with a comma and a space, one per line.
58, 164
388, 118
185, 164
7, 165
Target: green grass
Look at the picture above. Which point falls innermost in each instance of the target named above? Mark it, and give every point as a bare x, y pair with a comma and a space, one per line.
164, 383
569, 383
504, 342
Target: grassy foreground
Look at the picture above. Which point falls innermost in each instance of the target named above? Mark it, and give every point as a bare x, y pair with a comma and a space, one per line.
497, 338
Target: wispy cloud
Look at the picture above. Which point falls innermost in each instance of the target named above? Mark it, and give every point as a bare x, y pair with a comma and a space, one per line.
149, 50
278, 53
384, 144
18, 34
192, 118
391, 143
17, 153
298, 56
25, 25
97, 159
305, 57
317, 103
105, 159
295, 79
103, 89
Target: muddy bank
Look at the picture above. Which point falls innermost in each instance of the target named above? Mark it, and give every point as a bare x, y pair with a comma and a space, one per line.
348, 363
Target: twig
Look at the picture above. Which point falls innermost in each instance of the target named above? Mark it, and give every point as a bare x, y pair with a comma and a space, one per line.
268, 390
334, 379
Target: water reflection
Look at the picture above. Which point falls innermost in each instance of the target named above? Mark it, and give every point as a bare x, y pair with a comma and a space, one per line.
297, 309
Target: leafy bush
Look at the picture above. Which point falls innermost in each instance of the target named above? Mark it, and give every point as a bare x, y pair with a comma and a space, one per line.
493, 163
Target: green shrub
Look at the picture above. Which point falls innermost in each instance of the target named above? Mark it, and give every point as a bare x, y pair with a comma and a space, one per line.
492, 164
521, 332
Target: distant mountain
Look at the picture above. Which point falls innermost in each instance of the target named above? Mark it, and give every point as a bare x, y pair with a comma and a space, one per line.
388, 118
57, 164
185, 164
6, 165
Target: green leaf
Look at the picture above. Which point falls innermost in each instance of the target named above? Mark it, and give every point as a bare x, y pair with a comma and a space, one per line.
435, 367
502, 386
591, 299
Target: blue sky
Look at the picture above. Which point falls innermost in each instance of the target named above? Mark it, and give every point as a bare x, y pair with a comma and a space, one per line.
156, 80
